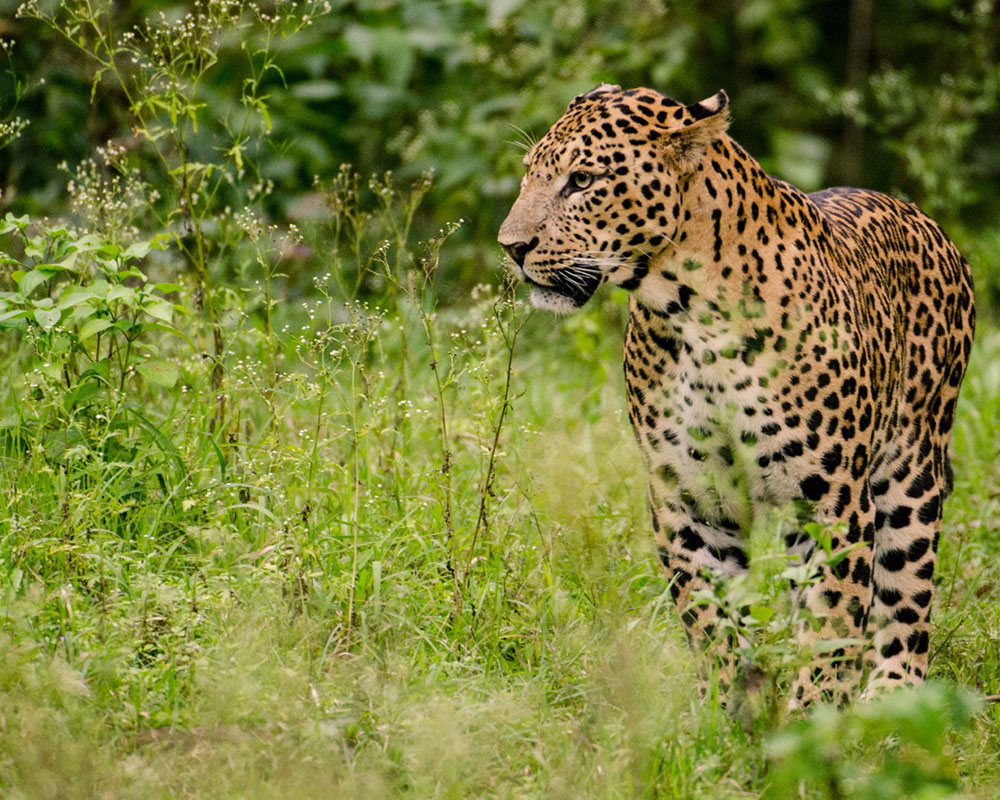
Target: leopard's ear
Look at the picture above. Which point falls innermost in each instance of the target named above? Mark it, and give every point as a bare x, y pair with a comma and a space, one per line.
601, 88
705, 122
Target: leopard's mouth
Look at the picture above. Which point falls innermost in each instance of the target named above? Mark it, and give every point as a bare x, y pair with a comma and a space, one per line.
568, 288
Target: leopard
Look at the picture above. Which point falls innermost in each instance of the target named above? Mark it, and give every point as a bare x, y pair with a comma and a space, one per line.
783, 350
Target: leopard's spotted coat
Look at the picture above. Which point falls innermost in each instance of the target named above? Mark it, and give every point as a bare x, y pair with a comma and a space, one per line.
782, 348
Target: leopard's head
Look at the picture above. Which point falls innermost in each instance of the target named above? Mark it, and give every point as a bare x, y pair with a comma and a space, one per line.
603, 191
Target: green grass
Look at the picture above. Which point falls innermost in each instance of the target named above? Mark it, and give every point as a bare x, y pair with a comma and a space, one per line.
310, 603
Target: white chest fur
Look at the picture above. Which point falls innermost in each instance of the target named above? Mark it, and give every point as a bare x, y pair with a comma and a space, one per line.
705, 420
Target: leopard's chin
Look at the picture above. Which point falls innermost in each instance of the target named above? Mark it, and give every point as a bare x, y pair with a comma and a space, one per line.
549, 300
564, 290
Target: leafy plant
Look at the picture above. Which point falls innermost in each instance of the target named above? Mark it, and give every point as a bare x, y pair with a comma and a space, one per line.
161, 68
895, 746
97, 335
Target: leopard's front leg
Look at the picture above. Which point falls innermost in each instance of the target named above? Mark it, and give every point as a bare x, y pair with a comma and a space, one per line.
692, 550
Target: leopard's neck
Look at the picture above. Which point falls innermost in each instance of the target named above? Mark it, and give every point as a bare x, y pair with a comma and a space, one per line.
739, 236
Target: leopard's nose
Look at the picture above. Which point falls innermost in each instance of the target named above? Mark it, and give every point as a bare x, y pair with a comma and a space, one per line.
518, 250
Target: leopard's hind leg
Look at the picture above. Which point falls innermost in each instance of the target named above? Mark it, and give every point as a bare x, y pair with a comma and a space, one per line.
908, 491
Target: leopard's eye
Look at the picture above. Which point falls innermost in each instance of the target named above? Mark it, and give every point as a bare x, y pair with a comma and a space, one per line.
578, 181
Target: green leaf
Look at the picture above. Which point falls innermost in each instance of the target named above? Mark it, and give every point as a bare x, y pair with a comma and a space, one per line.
141, 249
160, 309
17, 313
58, 266
93, 326
32, 280
123, 293
821, 535
91, 242
137, 250
74, 295
47, 317
832, 645
35, 247
81, 394
131, 271
157, 436
161, 373
158, 326
841, 554
68, 264
80, 313
11, 223
192, 169
219, 456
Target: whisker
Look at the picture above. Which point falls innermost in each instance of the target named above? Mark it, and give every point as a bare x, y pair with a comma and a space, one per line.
659, 232
528, 138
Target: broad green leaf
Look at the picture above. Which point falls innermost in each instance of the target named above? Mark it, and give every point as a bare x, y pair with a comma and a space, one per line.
47, 317
53, 369
65, 265
161, 373
167, 288
821, 535
160, 309
141, 249
158, 326
11, 223
93, 326
18, 313
137, 250
125, 294
74, 295
92, 243
32, 280
69, 262
80, 313
131, 271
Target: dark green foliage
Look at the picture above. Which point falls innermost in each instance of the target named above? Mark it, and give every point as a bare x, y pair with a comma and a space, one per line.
898, 96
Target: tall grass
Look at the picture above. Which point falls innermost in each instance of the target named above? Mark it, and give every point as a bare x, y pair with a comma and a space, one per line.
414, 562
